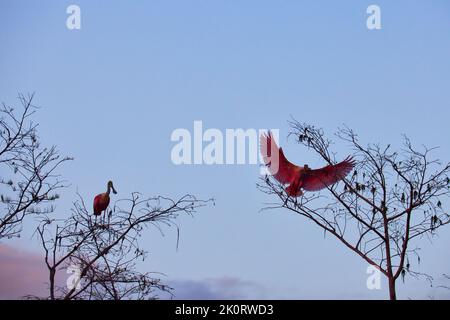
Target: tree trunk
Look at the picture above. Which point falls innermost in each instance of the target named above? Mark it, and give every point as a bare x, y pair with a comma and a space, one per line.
390, 274
392, 293
52, 284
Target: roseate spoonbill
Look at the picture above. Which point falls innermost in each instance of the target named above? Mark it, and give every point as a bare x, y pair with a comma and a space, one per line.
101, 201
297, 177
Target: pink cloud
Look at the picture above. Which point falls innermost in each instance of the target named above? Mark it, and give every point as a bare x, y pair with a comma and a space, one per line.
24, 273
223, 288
21, 273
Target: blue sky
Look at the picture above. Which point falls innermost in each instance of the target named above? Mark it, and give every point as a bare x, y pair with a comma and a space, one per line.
113, 92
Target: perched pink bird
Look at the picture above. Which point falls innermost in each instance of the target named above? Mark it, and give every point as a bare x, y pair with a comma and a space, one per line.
101, 201
297, 177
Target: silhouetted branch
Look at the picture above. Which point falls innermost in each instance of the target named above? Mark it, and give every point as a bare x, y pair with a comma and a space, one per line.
29, 182
105, 253
391, 198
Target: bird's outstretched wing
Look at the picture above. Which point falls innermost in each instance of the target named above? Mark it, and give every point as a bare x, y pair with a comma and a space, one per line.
317, 179
280, 167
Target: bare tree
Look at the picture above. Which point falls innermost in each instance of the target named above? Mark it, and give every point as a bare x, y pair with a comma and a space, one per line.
104, 254
28, 179
381, 210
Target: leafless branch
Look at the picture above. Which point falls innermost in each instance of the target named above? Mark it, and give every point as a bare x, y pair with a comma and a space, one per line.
29, 182
391, 199
105, 253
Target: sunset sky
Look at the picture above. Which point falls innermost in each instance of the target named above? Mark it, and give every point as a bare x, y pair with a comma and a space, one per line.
112, 93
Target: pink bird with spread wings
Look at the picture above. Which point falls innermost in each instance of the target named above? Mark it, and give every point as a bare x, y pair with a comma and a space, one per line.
296, 177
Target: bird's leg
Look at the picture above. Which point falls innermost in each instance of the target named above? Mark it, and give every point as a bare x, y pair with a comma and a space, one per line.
291, 190
109, 218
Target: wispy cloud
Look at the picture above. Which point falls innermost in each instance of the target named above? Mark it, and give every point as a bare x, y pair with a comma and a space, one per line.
24, 273
218, 288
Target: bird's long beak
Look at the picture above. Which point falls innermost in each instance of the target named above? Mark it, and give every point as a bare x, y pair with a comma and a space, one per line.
114, 190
